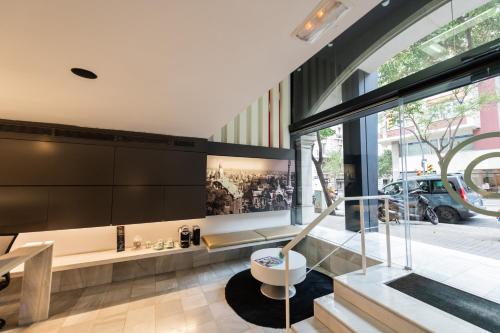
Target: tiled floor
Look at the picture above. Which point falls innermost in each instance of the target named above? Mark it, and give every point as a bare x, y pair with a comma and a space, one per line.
178, 302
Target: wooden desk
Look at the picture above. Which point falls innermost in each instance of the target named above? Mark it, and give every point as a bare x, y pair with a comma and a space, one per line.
37, 279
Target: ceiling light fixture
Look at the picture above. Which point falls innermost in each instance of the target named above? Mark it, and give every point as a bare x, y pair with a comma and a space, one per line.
325, 14
85, 73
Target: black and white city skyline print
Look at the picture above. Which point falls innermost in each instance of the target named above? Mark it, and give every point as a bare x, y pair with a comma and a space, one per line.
238, 185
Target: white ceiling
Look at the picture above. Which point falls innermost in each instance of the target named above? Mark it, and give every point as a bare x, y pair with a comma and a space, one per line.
180, 67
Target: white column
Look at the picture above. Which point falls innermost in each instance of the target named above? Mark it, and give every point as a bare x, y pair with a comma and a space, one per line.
230, 137
274, 110
254, 123
285, 112
306, 209
264, 121
242, 128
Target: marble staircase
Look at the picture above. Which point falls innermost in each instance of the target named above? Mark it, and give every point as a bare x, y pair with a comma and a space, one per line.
364, 303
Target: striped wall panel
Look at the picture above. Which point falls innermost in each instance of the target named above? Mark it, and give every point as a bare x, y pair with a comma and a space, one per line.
263, 123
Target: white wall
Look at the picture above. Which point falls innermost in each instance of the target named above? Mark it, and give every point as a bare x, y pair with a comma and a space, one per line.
73, 241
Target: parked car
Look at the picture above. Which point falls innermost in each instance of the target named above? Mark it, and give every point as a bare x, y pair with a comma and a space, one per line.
431, 187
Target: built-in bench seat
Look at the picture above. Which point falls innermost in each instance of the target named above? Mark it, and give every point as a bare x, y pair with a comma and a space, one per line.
97, 258
217, 242
94, 268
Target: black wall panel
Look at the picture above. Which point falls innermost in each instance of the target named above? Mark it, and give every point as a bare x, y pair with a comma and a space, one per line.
79, 207
78, 164
138, 204
25, 162
185, 202
23, 208
185, 168
135, 166
53, 163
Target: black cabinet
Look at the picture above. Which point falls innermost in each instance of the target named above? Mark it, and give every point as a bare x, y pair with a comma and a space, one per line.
79, 164
79, 207
23, 208
134, 166
25, 162
53, 163
185, 202
138, 204
185, 168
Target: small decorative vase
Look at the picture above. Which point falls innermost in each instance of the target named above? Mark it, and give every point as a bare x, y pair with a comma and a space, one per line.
137, 242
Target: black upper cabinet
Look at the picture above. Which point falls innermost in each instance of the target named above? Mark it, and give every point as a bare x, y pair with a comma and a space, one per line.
25, 162
53, 163
79, 207
134, 166
185, 202
77, 164
185, 168
137, 204
23, 208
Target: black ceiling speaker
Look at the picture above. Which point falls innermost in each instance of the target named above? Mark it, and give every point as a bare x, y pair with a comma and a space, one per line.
84, 73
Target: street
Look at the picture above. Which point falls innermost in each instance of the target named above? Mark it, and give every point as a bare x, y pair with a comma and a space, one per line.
479, 235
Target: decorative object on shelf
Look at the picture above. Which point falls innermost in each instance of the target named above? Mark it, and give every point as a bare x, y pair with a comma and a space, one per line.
159, 245
196, 235
184, 236
137, 242
120, 238
148, 244
169, 244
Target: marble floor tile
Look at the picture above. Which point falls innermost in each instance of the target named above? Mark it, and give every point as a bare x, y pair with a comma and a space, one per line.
168, 308
75, 318
162, 286
216, 295
111, 324
203, 328
172, 324
232, 324
155, 304
193, 301
198, 316
221, 309
143, 287
84, 327
138, 316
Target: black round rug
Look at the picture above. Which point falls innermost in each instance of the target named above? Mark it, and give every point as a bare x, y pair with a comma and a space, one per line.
244, 296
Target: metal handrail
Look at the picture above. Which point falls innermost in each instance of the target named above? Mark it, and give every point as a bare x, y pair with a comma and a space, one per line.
286, 249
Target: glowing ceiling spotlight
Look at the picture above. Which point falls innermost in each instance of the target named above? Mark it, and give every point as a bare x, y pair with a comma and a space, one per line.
326, 13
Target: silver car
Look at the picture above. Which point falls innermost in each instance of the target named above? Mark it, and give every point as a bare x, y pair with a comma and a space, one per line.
431, 187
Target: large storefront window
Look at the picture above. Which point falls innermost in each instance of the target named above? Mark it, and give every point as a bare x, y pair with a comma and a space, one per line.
471, 24
452, 135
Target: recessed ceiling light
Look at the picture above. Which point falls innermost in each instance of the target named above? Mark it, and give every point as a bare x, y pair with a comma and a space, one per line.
323, 16
385, 3
85, 73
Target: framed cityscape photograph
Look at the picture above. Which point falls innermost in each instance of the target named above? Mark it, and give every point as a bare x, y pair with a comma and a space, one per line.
237, 185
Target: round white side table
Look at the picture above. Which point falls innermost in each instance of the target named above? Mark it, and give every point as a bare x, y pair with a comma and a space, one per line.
273, 278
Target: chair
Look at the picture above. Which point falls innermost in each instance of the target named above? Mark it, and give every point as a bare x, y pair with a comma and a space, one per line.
6, 241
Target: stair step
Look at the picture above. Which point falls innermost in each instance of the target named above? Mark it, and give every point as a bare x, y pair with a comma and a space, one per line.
310, 325
341, 317
402, 313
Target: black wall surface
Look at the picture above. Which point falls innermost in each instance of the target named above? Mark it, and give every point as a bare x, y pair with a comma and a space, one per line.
62, 177
50, 182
